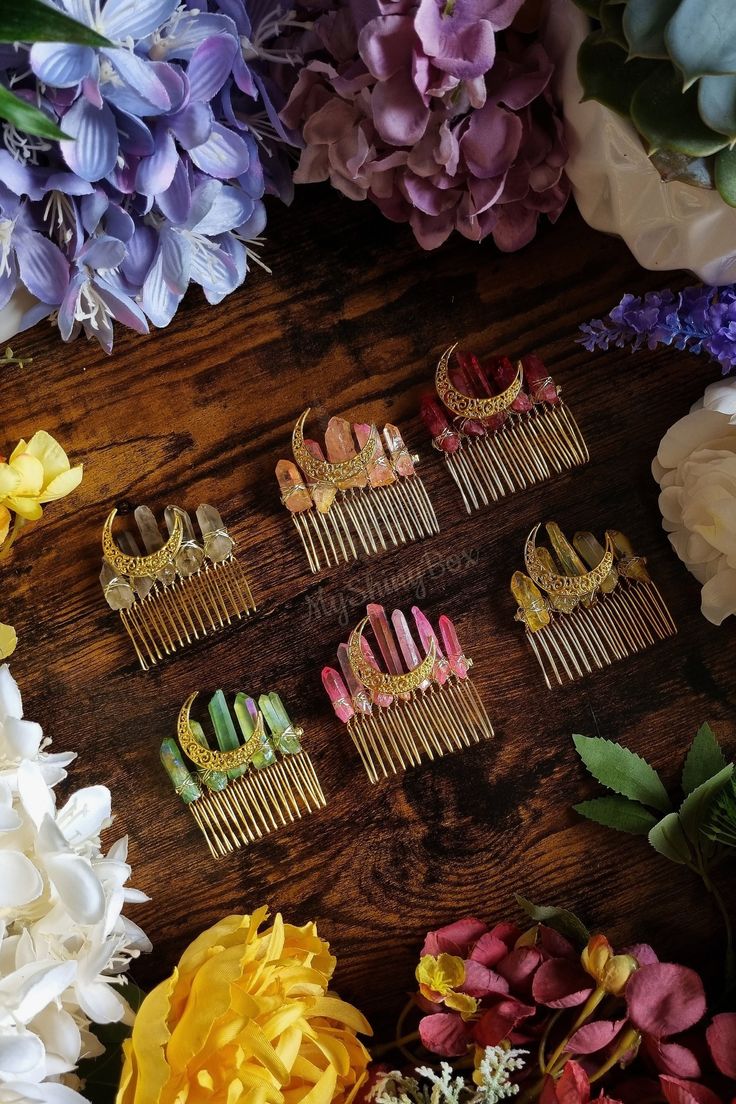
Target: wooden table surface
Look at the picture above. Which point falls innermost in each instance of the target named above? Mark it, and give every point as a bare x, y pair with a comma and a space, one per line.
352, 322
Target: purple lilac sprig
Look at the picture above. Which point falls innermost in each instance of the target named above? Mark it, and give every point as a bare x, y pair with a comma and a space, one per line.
701, 319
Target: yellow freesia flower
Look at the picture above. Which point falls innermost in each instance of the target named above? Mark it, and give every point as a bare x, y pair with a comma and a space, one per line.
610, 971
440, 977
8, 641
247, 1016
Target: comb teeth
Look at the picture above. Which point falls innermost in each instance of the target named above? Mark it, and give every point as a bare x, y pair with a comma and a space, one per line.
366, 521
170, 617
257, 804
619, 624
527, 449
434, 723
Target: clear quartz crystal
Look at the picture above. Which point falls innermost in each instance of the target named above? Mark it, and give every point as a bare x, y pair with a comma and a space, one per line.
218, 544
118, 592
190, 556
129, 546
152, 539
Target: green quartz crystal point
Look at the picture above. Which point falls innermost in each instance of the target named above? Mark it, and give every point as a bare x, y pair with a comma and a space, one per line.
227, 737
183, 782
246, 711
285, 737
593, 552
212, 779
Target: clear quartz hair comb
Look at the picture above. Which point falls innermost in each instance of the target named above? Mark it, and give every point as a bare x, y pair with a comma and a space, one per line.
585, 606
182, 588
500, 427
417, 702
360, 500
257, 780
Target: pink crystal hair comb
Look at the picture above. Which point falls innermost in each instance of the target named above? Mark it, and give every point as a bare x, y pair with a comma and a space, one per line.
500, 428
183, 588
585, 606
415, 704
361, 499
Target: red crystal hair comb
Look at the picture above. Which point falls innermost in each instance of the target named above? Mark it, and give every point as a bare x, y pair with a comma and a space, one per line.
585, 606
183, 588
361, 497
420, 705
500, 427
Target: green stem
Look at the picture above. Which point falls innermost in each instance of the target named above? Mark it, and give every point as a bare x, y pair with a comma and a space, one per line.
628, 1041
730, 966
588, 1009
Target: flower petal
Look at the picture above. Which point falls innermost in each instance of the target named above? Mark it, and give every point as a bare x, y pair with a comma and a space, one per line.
223, 155
21, 1056
721, 1037
62, 64
664, 999
210, 65
140, 75
94, 150
131, 19
42, 266
155, 173
20, 881
85, 814
560, 983
192, 125
159, 302
444, 1034
8, 640
11, 704
592, 1037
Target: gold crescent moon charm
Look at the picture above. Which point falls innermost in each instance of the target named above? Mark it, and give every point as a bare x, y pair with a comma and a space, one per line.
572, 586
387, 684
208, 759
321, 471
141, 567
465, 406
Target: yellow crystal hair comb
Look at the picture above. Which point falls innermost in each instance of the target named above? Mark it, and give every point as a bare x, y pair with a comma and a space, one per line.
583, 605
420, 706
181, 589
359, 499
500, 428
258, 780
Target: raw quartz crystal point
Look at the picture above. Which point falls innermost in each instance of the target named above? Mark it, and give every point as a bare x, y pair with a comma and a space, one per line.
190, 556
433, 415
530, 600
340, 446
384, 638
182, 780
227, 737
503, 374
129, 545
153, 540
568, 558
322, 493
218, 544
212, 779
480, 386
563, 603
379, 469
401, 458
294, 493
246, 712
630, 565
283, 733
459, 664
358, 693
427, 635
461, 380
540, 385
592, 551
337, 693
117, 589
409, 650
378, 698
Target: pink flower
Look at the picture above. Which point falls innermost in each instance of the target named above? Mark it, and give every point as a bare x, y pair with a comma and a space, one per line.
571, 1087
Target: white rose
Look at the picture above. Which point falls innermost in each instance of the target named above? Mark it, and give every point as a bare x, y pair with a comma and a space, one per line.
696, 469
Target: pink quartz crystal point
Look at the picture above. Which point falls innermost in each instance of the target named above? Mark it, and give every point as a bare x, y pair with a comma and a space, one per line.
379, 469
461, 380
540, 385
427, 635
397, 450
340, 447
433, 415
337, 693
481, 388
293, 489
409, 650
384, 638
502, 372
358, 693
322, 493
453, 650
383, 700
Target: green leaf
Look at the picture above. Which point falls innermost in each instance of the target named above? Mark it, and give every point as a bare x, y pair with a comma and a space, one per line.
618, 813
607, 76
668, 838
701, 38
668, 117
622, 771
703, 760
721, 825
562, 920
644, 24
717, 104
26, 117
102, 1075
697, 805
34, 21
611, 17
726, 175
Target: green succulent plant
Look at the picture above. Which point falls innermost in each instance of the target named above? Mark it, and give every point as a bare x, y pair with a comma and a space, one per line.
670, 67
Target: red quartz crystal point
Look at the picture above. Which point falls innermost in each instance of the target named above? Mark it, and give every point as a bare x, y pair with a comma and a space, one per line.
540, 384
460, 378
502, 372
444, 437
481, 388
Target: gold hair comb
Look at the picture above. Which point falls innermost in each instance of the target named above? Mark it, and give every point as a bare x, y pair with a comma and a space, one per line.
422, 705
183, 588
507, 428
244, 790
585, 606
363, 498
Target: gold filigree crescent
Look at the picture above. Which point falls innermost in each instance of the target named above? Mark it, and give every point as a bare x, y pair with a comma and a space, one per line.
572, 586
141, 567
465, 406
321, 471
377, 681
205, 757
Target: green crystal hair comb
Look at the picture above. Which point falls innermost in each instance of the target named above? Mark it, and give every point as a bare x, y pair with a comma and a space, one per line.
258, 780
182, 589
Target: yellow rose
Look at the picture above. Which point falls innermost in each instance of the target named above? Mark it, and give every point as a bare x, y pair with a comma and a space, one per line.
247, 1016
